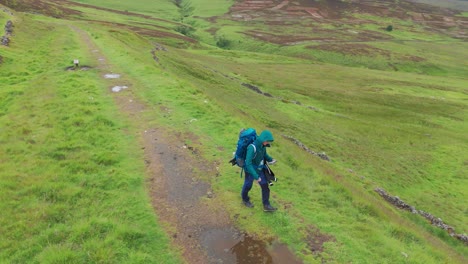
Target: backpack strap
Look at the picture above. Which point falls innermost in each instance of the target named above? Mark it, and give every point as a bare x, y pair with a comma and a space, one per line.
255, 149
255, 152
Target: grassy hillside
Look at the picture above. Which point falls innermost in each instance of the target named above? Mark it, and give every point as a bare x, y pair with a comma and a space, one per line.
72, 185
389, 110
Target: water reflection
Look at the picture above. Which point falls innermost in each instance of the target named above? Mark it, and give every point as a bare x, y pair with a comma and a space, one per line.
249, 250
230, 246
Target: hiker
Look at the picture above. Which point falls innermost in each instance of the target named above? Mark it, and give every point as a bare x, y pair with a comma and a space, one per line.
76, 62
254, 164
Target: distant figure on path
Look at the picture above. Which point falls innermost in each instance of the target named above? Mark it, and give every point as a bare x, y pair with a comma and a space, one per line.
76, 62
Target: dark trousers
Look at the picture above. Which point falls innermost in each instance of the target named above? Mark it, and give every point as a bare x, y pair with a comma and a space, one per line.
248, 182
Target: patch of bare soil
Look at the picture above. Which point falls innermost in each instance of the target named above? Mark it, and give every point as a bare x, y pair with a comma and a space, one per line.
316, 239
179, 197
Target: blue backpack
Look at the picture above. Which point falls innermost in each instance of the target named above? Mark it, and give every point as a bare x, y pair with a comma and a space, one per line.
246, 137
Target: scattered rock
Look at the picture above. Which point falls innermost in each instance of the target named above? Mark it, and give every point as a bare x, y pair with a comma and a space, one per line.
252, 87
323, 156
5, 41
7, 11
157, 47
9, 27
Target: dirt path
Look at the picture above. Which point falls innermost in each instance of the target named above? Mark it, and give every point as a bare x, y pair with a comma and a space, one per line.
179, 198
186, 205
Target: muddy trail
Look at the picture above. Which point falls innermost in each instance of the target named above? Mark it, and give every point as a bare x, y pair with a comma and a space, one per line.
186, 206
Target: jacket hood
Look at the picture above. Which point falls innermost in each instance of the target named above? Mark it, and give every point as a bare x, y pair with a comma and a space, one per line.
266, 135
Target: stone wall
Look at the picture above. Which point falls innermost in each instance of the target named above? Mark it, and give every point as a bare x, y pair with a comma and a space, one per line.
435, 221
5, 40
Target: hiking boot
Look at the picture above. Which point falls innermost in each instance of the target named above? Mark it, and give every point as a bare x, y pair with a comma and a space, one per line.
269, 208
248, 204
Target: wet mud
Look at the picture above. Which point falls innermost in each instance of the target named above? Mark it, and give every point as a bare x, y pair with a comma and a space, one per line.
203, 227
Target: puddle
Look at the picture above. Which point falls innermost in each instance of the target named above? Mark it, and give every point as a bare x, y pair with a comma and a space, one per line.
117, 89
206, 234
230, 246
111, 76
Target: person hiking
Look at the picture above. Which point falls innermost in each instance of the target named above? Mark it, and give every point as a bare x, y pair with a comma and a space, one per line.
254, 164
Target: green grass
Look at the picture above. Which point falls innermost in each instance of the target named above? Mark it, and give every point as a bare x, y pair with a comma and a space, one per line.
164, 9
208, 8
72, 181
165, 23
72, 178
376, 151
331, 133
3, 18
160, 9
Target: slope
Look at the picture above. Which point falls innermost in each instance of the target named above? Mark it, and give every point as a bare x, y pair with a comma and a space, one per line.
400, 131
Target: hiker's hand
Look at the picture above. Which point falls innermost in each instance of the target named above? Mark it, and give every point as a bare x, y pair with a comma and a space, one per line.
259, 180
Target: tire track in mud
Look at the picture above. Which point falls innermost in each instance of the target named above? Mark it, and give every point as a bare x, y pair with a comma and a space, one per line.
185, 205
